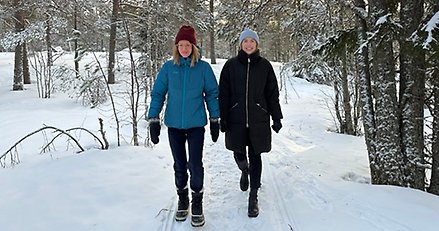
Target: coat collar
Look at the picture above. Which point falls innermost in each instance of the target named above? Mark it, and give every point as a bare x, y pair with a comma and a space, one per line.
243, 57
185, 61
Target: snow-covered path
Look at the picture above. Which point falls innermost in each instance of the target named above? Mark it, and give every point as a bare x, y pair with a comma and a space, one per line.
225, 205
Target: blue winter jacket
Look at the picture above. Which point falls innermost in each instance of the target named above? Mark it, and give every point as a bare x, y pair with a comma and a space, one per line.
185, 89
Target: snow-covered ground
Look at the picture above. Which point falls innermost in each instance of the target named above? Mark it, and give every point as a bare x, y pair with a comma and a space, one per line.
312, 180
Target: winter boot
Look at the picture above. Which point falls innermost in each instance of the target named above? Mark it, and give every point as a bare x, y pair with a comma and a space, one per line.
183, 204
253, 209
243, 183
197, 209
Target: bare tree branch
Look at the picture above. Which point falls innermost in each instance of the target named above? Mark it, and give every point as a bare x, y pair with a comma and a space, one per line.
16, 159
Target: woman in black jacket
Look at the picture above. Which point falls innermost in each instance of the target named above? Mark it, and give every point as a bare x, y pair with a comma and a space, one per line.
248, 96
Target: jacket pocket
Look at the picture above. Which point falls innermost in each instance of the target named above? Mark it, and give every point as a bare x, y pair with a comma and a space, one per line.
234, 106
262, 108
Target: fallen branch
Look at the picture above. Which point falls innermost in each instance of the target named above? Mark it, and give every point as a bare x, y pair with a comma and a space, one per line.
78, 128
14, 157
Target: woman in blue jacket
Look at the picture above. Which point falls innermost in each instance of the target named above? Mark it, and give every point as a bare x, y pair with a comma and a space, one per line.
188, 84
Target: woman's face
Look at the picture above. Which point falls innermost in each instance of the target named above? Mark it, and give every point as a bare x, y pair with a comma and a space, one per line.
184, 48
249, 45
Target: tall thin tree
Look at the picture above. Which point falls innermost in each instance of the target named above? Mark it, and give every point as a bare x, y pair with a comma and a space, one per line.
18, 59
212, 33
76, 35
25, 62
112, 46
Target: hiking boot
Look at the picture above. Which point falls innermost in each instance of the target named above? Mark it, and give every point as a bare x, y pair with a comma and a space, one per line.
183, 205
197, 209
253, 208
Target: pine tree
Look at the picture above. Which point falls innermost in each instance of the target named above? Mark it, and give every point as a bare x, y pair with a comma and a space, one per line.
411, 94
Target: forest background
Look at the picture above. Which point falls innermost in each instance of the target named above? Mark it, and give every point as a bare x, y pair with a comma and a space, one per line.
380, 57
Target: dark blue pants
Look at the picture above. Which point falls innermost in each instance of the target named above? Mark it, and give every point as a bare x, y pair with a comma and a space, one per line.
195, 140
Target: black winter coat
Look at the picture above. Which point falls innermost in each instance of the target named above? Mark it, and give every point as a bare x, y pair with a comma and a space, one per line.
248, 96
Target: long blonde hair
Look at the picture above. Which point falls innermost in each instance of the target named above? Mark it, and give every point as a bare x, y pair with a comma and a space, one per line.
195, 55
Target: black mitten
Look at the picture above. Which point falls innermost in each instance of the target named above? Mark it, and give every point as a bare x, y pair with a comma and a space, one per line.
277, 125
223, 125
214, 129
154, 130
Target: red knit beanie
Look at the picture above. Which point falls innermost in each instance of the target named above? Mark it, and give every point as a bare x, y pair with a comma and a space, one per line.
186, 33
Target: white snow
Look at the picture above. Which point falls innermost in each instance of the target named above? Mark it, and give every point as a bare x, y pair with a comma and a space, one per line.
383, 19
312, 180
431, 25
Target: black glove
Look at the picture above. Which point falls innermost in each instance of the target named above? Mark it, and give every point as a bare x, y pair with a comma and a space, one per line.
214, 129
154, 130
223, 125
277, 125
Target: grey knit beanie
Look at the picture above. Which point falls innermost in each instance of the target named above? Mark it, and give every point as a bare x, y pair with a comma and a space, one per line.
247, 33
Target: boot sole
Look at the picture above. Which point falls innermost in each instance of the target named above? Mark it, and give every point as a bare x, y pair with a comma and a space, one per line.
253, 215
182, 216
197, 223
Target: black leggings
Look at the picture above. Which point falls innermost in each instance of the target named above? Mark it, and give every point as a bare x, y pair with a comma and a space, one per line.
255, 166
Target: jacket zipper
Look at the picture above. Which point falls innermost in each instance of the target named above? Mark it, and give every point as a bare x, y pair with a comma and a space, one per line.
184, 96
246, 93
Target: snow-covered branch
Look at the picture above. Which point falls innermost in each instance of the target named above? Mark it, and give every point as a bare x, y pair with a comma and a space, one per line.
430, 27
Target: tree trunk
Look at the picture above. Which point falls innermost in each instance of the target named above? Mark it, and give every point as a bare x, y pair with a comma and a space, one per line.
18, 59
75, 46
366, 100
412, 87
212, 34
112, 46
47, 75
18, 68
135, 87
389, 154
434, 181
26, 73
356, 97
338, 113
346, 96
49, 41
